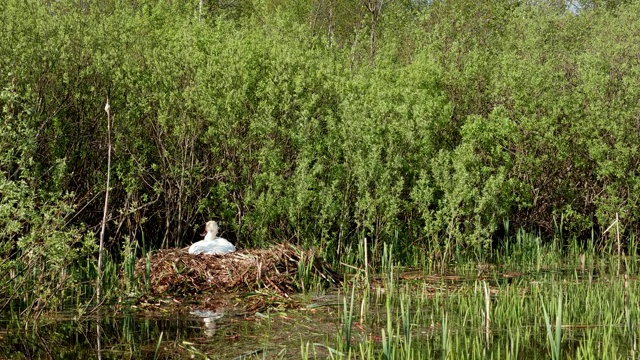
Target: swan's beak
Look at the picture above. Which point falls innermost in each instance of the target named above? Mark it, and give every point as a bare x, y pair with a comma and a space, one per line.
204, 233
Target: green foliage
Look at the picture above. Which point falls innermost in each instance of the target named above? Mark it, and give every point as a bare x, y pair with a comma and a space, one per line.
426, 126
39, 252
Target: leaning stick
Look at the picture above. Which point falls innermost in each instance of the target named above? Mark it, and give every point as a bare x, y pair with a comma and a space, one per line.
106, 202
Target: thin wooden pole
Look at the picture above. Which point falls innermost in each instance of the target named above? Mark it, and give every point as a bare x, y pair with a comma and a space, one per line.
107, 109
618, 236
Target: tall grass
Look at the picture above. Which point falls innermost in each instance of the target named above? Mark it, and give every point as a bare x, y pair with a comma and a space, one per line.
552, 309
554, 336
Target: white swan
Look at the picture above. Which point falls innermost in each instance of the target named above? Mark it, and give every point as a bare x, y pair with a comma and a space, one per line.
211, 244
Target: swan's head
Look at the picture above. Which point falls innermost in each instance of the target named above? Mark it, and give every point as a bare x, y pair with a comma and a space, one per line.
211, 227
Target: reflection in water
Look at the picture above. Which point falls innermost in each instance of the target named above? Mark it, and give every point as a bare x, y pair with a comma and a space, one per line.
175, 335
95, 337
284, 333
209, 318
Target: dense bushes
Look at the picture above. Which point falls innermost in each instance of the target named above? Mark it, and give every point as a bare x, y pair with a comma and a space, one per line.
470, 114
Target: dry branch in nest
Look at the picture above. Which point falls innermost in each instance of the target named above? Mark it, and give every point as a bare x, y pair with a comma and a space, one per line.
175, 272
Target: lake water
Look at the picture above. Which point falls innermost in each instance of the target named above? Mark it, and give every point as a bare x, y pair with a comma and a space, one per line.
600, 316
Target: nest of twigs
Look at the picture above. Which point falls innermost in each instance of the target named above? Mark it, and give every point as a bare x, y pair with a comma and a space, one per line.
282, 268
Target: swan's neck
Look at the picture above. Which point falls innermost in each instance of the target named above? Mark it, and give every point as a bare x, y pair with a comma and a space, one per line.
210, 236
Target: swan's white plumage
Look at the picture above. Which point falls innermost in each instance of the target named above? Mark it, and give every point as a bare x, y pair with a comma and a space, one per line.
211, 244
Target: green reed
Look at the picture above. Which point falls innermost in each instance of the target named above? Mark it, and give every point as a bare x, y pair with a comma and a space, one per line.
501, 312
554, 337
